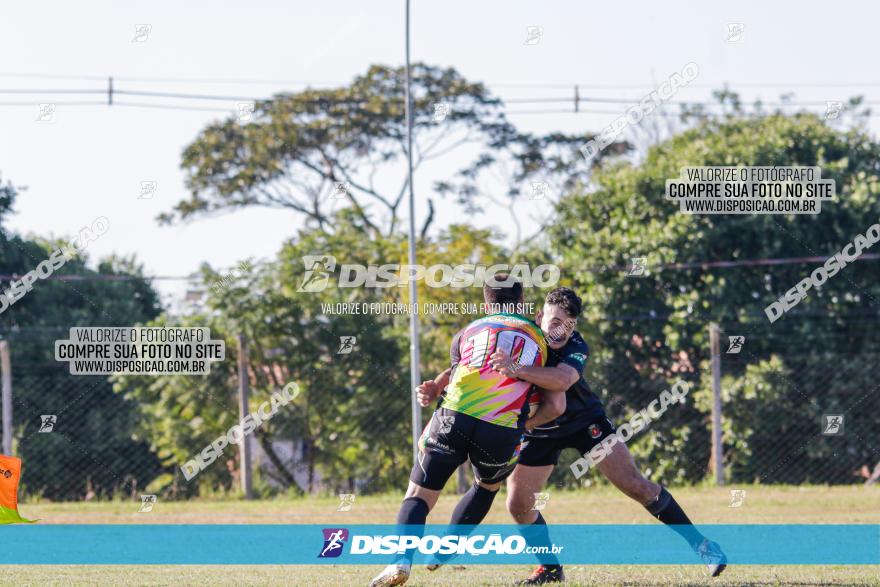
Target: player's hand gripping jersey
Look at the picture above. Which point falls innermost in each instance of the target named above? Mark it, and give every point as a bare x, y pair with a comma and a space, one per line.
478, 390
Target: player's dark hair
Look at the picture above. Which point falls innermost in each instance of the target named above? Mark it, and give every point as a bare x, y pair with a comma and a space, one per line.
503, 291
565, 299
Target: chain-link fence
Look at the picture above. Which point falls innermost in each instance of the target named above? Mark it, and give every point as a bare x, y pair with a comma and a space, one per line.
793, 412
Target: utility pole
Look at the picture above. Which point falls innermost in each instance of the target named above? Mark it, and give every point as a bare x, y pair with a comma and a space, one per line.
6, 376
243, 393
717, 447
415, 375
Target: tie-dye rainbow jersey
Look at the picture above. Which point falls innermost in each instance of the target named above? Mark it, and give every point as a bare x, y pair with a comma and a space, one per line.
478, 390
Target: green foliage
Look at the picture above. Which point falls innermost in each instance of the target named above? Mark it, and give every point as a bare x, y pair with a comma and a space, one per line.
92, 451
645, 333
299, 146
352, 417
654, 328
180, 414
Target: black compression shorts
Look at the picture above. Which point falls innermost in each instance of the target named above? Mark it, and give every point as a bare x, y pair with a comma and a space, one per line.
452, 437
538, 452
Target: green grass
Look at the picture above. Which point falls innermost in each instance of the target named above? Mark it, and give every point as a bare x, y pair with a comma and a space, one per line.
344, 576
763, 505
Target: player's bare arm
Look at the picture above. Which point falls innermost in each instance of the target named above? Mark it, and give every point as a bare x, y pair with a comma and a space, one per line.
552, 406
430, 390
554, 379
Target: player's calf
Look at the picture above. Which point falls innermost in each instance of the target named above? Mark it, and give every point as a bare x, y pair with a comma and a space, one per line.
620, 468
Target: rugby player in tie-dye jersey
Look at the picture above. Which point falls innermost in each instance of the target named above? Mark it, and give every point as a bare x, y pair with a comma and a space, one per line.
481, 417
476, 389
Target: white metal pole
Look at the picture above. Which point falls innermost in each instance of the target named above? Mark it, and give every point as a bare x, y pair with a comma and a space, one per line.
717, 446
243, 396
6, 375
415, 375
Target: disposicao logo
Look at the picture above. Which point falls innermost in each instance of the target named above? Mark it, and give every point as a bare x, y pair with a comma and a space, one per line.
334, 540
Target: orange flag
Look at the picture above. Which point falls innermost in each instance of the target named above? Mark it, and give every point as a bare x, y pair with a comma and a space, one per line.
10, 473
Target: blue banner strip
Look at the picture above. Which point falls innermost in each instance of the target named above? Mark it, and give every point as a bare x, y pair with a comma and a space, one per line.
755, 544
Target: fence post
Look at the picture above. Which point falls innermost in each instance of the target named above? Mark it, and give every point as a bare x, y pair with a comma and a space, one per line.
6, 375
243, 392
717, 447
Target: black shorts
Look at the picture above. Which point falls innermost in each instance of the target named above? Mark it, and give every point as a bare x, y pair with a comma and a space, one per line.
452, 437
538, 452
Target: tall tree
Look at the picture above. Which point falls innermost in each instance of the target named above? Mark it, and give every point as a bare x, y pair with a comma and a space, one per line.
649, 330
309, 151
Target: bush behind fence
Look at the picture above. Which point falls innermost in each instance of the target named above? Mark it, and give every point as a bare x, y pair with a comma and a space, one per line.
350, 429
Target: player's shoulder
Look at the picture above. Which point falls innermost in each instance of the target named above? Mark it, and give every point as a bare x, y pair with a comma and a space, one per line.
505, 320
526, 323
577, 344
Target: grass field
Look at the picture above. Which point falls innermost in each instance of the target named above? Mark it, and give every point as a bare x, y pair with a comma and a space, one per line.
763, 505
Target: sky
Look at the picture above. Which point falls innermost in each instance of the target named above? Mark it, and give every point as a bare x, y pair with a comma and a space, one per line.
91, 160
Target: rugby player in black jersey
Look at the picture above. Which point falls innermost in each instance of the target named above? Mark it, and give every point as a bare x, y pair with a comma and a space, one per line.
582, 426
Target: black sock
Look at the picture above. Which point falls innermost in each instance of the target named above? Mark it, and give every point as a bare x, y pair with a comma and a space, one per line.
470, 511
473, 506
413, 512
537, 534
667, 510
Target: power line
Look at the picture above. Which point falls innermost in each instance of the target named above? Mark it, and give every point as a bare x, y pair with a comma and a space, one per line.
170, 107
615, 112
160, 106
195, 96
574, 99
709, 86
50, 91
183, 107
53, 76
569, 100
538, 85
64, 103
179, 80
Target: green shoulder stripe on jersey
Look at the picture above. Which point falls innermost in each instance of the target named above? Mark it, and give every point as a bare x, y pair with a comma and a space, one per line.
514, 315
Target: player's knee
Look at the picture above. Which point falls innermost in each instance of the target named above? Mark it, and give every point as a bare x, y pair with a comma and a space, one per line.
523, 516
429, 496
490, 486
519, 506
650, 491
631, 483
641, 489
514, 502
